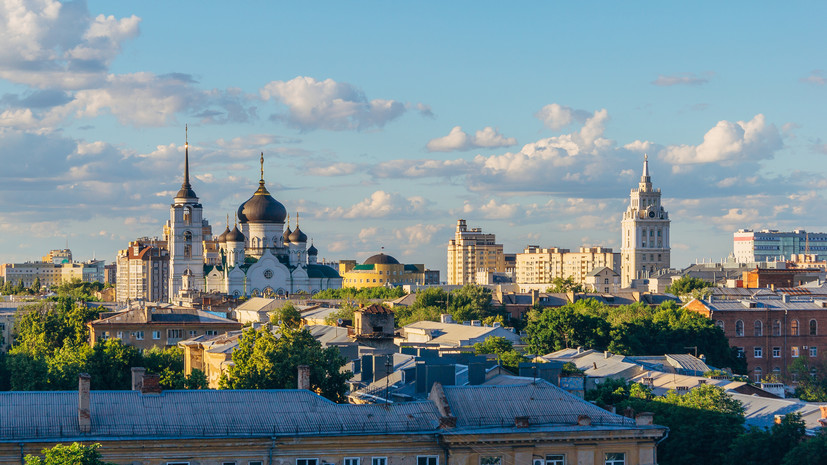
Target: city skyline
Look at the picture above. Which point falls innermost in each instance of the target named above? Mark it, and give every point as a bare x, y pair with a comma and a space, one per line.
384, 124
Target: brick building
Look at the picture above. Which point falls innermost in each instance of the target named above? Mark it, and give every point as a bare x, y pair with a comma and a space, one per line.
772, 331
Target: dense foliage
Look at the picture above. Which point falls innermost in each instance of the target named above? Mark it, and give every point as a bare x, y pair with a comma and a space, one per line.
268, 360
74, 454
503, 349
464, 304
559, 284
636, 329
353, 294
51, 348
686, 285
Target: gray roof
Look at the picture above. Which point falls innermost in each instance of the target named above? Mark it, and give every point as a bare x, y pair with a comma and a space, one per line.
203, 413
761, 411
541, 401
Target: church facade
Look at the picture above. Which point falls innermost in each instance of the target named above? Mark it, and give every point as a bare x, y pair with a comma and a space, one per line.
259, 256
645, 228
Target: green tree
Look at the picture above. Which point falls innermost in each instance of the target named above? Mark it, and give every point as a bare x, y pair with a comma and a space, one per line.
567, 326
760, 446
74, 454
36, 286
565, 285
808, 452
264, 360
503, 349
110, 365
286, 315
686, 284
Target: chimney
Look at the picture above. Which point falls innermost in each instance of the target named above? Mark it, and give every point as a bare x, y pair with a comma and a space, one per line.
151, 384
304, 377
607, 354
438, 397
138, 378
584, 420
147, 313
823, 409
84, 408
521, 422
644, 418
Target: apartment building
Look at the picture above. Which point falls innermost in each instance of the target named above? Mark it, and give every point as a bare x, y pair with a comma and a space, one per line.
470, 251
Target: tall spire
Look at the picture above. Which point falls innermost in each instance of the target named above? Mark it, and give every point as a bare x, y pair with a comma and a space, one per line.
186, 191
262, 168
261, 189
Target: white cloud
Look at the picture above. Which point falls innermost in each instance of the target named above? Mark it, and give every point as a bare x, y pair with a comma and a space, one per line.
682, 79
459, 140
380, 204
816, 77
49, 44
332, 169
729, 142
556, 116
330, 105
413, 237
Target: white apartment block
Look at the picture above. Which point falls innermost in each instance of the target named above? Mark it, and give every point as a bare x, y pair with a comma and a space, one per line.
771, 245
543, 265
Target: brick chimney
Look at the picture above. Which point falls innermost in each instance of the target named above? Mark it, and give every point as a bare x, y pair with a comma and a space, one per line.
151, 384
438, 397
644, 418
84, 407
138, 378
304, 377
521, 422
584, 420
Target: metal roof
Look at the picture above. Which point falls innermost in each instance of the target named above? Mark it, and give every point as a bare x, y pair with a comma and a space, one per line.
541, 401
203, 413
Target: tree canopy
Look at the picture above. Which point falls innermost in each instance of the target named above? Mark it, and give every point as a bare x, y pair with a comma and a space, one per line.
686, 284
467, 303
351, 293
503, 349
74, 454
268, 360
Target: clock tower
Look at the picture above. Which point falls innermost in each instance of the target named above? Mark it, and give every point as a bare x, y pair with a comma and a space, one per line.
645, 232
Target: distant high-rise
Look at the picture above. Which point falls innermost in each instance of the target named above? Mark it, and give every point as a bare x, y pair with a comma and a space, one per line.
471, 251
645, 231
771, 245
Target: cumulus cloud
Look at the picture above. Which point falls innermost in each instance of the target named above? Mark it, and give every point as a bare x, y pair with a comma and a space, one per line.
729, 142
332, 169
380, 204
411, 238
330, 105
816, 77
421, 168
682, 79
556, 116
49, 44
458, 140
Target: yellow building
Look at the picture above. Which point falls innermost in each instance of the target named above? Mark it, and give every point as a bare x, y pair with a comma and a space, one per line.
381, 270
471, 251
537, 265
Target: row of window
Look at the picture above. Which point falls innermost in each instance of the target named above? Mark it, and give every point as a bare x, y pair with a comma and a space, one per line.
171, 334
758, 328
611, 458
795, 351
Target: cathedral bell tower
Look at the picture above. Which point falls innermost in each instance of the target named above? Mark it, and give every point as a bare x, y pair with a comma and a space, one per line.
645, 232
185, 235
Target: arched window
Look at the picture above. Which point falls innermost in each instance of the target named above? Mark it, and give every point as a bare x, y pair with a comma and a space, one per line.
758, 329
719, 324
794, 328
757, 373
187, 215
777, 372
187, 244
813, 328
776, 328
739, 328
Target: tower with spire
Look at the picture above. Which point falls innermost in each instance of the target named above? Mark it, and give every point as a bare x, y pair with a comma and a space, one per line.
645, 232
185, 234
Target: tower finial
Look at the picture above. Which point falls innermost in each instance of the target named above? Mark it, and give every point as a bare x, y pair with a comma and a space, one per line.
228, 220
645, 177
297, 219
288, 221
262, 167
186, 157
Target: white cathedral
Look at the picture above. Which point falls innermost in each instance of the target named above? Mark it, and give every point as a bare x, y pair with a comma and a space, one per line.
258, 257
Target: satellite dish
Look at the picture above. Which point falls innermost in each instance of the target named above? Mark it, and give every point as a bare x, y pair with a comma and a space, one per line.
340, 321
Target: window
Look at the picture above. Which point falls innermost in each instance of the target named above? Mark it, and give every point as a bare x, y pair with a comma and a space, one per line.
776, 328
794, 351
193, 333
813, 328
556, 459
776, 352
351, 461
178, 463
138, 335
813, 351
739, 328
379, 461
758, 329
719, 324
758, 352
227, 463
794, 328
427, 460
490, 460
757, 373
740, 351
120, 334
616, 458
307, 461
175, 333
156, 335
211, 332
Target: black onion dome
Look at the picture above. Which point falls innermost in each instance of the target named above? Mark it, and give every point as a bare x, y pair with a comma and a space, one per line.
312, 250
298, 236
287, 233
381, 259
223, 236
262, 208
235, 235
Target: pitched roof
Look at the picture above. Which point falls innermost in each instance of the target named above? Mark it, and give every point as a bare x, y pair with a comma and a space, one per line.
457, 335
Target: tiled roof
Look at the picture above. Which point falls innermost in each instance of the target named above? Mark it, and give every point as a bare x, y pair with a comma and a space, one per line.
204, 413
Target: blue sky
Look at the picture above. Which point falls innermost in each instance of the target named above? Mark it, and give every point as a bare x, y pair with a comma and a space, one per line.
383, 123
